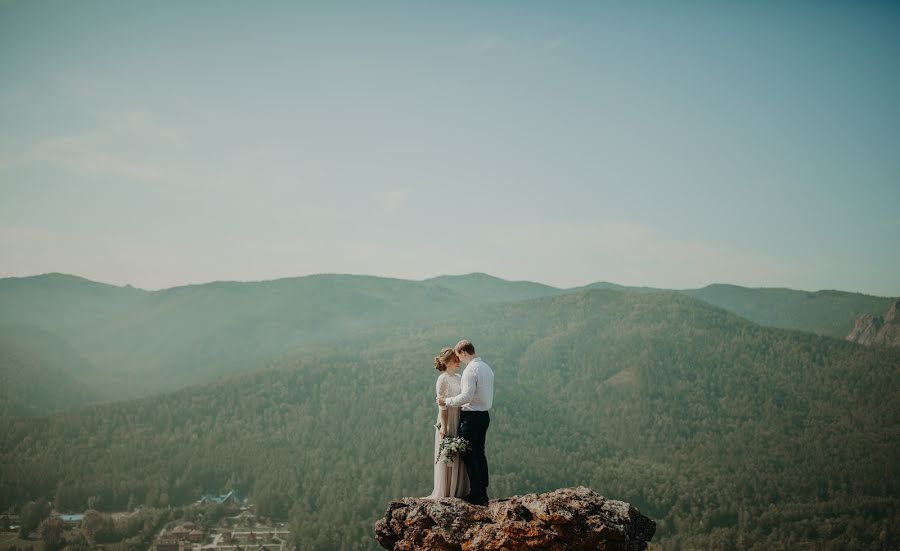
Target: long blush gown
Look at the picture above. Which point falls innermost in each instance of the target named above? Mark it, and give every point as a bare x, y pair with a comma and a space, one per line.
449, 480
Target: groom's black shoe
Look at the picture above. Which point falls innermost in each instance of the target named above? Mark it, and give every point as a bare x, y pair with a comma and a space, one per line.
475, 500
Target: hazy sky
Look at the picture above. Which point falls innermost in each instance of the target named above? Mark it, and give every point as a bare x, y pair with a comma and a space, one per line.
165, 143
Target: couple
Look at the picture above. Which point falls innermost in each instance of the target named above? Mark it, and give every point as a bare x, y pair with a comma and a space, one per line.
463, 404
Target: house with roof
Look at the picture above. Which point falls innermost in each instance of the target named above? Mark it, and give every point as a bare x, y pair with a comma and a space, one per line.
72, 519
231, 498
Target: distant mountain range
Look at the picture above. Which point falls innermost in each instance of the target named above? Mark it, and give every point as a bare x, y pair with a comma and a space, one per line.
128, 342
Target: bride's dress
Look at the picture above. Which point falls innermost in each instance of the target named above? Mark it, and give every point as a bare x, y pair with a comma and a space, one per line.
449, 480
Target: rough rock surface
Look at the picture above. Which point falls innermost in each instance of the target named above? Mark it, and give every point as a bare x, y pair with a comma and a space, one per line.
564, 519
876, 329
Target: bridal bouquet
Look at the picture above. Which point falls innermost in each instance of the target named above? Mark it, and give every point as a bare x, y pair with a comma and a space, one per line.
450, 446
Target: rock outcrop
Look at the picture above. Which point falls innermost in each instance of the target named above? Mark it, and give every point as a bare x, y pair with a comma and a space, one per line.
877, 329
568, 518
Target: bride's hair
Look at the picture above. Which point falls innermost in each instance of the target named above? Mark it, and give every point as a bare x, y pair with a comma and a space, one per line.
446, 355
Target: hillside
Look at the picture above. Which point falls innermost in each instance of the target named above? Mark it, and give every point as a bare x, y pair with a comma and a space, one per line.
831, 313
41, 373
721, 430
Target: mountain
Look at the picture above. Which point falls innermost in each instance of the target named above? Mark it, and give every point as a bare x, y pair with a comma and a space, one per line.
616, 286
60, 302
479, 288
145, 342
725, 432
174, 337
199, 332
827, 312
40, 373
878, 329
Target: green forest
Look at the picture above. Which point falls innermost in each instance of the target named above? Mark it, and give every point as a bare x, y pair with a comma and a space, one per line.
730, 434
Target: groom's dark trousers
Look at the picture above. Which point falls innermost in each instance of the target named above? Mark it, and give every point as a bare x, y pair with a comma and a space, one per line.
473, 426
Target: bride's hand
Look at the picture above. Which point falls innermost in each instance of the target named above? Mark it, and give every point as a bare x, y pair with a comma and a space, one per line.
442, 432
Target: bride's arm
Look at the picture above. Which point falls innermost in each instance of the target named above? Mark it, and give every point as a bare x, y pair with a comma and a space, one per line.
444, 422
442, 388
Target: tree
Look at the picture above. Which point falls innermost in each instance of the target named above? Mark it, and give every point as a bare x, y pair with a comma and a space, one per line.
98, 528
152, 498
32, 515
51, 531
213, 515
78, 542
91, 524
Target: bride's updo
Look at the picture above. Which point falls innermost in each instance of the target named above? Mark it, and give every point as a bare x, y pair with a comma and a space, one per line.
446, 355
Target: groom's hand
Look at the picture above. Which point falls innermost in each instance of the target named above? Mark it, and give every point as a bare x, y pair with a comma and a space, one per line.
440, 401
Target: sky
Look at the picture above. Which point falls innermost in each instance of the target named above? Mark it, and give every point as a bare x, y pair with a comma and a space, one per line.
166, 143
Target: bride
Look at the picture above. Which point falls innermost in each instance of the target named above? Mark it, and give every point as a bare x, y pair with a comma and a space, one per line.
449, 480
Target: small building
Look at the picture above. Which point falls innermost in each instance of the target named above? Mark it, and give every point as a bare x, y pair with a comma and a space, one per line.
231, 498
71, 519
195, 536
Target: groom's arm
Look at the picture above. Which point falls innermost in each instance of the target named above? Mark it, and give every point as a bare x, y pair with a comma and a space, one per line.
467, 392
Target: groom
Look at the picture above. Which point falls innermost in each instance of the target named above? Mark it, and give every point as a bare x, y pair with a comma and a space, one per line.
475, 397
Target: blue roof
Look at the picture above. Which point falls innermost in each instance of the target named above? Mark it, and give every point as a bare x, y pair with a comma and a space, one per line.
71, 518
223, 498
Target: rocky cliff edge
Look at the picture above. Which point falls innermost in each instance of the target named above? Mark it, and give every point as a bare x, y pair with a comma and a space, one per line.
567, 518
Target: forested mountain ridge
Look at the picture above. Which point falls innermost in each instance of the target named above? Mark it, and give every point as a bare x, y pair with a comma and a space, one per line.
728, 433
825, 312
145, 342
167, 339
200, 332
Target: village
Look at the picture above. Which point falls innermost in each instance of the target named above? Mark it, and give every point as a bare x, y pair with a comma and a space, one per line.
238, 530
230, 523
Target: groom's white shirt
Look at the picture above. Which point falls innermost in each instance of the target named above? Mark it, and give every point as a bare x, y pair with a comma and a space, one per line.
477, 393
